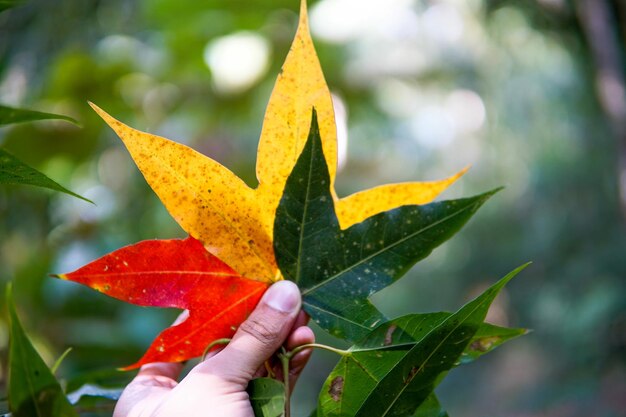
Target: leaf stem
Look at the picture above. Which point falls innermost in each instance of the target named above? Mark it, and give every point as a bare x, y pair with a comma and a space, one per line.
56, 365
300, 348
285, 358
223, 341
268, 368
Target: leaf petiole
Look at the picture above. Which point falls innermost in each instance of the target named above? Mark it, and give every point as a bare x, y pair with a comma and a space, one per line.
56, 365
216, 342
285, 358
300, 348
269, 370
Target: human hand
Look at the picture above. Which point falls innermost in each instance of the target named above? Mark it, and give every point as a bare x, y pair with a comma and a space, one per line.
217, 386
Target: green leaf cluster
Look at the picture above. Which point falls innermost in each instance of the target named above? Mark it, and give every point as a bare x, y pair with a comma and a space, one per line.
393, 365
33, 390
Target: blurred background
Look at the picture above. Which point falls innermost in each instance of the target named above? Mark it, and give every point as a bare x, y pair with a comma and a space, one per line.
531, 93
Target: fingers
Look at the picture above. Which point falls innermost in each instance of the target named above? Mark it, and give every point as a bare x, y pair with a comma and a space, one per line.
300, 335
301, 320
151, 384
303, 335
162, 370
259, 336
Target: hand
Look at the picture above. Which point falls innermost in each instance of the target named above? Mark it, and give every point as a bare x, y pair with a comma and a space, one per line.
217, 386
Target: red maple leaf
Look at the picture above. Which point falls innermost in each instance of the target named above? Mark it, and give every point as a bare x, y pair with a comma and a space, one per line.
180, 274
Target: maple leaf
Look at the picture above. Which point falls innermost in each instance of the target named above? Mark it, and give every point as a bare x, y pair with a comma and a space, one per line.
233, 222
336, 268
180, 274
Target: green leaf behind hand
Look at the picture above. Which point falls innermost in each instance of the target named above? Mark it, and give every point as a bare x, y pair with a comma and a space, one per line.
267, 397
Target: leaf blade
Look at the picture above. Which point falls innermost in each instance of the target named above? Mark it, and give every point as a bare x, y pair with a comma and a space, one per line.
405, 331
11, 115
212, 318
146, 273
267, 397
299, 86
33, 390
463, 324
330, 264
14, 171
359, 206
430, 408
206, 199
396, 378
180, 274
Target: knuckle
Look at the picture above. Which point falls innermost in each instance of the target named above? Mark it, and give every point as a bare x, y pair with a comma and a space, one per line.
263, 332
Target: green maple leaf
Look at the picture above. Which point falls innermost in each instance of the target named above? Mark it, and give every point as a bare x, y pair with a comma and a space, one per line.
337, 270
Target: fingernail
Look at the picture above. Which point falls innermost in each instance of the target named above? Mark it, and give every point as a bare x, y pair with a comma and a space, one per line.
283, 296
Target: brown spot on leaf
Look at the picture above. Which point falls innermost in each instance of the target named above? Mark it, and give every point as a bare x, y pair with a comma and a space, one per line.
411, 375
484, 344
389, 335
336, 388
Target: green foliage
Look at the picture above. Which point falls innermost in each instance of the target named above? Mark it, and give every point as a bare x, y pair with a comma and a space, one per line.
33, 390
10, 115
7, 4
487, 338
430, 408
337, 270
404, 332
267, 397
396, 366
59, 361
14, 171
396, 378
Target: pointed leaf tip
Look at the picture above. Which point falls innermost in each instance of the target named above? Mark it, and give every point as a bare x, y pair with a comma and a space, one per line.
12, 115
59, 276
8, 294
103, 114
512, 275
361, 205
303, 11
14, 171
206, 199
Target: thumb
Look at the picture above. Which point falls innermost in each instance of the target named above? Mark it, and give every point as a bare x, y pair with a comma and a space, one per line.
261, 334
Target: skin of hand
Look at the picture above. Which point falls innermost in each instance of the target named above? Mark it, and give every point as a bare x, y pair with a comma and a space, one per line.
217, 386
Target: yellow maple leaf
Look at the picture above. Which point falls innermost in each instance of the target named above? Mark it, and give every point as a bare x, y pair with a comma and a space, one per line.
235, 222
